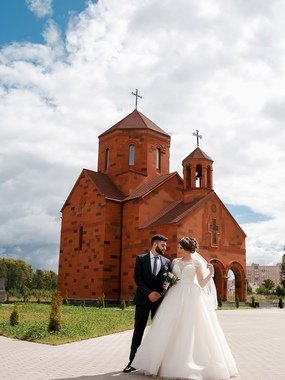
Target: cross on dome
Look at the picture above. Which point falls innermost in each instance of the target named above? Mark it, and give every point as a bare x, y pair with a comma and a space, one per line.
198, 136
137, 96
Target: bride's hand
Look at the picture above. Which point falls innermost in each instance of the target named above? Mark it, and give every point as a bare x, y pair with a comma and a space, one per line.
211, 268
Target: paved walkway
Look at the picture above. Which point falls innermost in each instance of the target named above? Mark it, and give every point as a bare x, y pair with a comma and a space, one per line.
256, 337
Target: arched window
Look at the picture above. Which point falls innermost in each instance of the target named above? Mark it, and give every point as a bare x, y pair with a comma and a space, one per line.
209, 177
132, 154
80, 240
158, 159
188, 177
107, 158
198, 176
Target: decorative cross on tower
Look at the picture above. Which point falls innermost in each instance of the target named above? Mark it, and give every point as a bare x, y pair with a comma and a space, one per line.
198, 136
214, 228
137, 96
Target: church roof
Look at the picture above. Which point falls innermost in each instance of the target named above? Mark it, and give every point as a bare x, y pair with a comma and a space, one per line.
174, 212
135, 120
150, 185
198, 154
105, 185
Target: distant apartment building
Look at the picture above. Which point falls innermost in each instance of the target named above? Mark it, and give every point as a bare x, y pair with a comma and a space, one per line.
256, 274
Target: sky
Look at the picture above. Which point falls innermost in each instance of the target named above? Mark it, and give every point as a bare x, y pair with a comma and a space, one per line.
67, 71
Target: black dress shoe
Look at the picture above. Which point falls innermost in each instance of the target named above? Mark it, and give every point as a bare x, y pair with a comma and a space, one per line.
129, 368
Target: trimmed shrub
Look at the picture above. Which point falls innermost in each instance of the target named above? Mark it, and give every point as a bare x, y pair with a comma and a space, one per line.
65, 299
237, 302
55, 314
220, 302
14, 317
123, 305
101, 301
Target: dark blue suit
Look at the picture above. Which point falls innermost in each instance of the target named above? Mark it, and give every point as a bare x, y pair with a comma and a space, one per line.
146, 283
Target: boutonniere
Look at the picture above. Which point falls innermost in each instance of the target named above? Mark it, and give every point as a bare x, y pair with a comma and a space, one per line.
166, 267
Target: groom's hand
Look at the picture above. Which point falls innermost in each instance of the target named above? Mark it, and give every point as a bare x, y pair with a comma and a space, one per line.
154, 296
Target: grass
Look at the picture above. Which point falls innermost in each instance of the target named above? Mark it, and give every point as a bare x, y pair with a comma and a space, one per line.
78, 322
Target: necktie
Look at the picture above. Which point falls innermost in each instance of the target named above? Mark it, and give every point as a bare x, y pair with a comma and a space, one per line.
155, 265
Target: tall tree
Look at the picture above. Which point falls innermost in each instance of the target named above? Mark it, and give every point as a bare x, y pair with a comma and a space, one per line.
50, 280
38, 280
3, 268
19, 276
268, 284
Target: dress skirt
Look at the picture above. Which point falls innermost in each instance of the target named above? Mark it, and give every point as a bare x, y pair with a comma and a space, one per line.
185, 340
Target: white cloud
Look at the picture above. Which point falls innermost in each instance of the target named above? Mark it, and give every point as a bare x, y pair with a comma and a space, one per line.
216, 66
265, 242
52, 36
41, 8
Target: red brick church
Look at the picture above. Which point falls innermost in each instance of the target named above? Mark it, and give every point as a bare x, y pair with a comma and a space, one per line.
111, 214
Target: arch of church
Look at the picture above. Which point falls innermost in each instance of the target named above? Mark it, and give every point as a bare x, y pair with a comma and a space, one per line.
221, 279
240, 279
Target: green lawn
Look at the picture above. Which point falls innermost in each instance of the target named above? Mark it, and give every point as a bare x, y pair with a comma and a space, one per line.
77, 322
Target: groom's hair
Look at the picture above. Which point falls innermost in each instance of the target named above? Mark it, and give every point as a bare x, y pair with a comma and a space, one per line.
157, 238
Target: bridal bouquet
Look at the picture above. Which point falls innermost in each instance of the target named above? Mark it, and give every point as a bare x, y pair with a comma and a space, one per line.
169, 279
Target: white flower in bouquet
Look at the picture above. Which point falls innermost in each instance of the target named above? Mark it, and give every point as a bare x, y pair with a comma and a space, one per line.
169, 279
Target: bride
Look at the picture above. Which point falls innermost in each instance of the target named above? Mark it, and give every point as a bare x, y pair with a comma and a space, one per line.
185, 340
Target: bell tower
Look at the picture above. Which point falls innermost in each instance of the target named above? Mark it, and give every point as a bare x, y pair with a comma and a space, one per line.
133, 151
197, 173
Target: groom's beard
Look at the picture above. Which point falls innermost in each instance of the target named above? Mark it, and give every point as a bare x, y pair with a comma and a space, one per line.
158, 250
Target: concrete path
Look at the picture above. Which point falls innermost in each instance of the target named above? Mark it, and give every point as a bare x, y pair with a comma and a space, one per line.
256, 337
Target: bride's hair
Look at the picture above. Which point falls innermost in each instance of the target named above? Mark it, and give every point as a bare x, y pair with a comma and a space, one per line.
188, 244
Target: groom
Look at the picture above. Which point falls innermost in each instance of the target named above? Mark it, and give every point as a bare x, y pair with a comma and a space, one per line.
148, 275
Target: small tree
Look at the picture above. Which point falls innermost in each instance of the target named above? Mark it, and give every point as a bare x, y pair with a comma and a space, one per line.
267, 287
280, 292
101, 300
280, 303
129, 300
123, 305
55, 314
237, 301
25, 291
249, 289
65, 300
220, 302
253, 301
14, 317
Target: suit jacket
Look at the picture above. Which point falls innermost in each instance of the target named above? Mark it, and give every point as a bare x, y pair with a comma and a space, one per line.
145, 280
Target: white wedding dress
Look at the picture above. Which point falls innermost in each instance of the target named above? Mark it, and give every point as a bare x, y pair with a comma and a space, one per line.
185, 340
